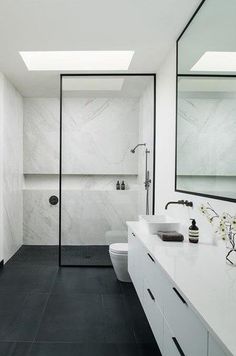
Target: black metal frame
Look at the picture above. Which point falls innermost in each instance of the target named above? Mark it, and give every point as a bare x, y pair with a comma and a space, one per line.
153, 75
176, 112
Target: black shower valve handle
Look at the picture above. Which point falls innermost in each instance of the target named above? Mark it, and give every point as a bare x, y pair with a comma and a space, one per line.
53, 200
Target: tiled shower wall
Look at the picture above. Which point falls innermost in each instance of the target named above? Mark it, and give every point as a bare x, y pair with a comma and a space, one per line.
11, 170
97, 137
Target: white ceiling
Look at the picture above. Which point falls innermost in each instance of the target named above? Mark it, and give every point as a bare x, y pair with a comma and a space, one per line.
149, 27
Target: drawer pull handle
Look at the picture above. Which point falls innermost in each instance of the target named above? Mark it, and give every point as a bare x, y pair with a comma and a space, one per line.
151, 257
133, 234
151, 295
179, 295
178, 346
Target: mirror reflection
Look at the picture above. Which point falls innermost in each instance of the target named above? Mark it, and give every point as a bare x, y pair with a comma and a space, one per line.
206, 103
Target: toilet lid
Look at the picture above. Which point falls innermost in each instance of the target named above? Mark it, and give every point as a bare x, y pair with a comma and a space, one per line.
121, 248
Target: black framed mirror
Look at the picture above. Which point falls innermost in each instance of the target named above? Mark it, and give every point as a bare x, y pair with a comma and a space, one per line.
206, 102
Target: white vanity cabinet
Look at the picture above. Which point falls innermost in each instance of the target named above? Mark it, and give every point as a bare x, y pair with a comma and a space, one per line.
135, 262
175, 324
171, 346
187, 327
152, 310
214, 348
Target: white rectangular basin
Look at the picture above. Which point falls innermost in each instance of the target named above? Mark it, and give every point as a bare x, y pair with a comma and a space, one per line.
154, 223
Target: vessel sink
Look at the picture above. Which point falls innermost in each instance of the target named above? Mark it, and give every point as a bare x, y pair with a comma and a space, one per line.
154, 223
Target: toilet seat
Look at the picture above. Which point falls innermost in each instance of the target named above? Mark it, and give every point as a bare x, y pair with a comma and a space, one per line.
119, 248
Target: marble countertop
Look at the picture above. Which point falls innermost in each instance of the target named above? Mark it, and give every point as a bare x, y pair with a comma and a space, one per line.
204, 278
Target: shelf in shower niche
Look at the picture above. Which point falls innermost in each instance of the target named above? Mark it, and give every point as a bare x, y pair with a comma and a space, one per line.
81, 174
82, 190
77, 182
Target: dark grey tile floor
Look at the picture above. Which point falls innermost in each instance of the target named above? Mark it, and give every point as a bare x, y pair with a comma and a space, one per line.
47, 311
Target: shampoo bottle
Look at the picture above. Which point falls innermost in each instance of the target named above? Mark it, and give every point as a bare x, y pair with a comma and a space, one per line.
193, 232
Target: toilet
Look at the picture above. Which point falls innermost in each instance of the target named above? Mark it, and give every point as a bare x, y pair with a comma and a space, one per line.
119, 258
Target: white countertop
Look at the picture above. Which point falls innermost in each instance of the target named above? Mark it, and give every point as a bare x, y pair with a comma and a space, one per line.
204, 278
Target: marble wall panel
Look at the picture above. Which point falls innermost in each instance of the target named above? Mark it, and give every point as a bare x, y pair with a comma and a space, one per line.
12, 169
206, 136
97, 135
146, 133
86, 216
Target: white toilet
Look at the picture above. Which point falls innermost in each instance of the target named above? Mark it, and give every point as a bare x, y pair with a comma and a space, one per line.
119, 258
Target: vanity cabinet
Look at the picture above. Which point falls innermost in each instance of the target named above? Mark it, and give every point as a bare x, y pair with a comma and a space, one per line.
176, 327
214, 348
152, 310
135, 263
171, 346
187, 327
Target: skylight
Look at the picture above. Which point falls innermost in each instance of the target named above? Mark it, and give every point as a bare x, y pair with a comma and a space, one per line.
77, 60
216, 62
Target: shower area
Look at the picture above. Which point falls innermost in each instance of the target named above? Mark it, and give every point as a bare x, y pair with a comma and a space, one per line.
101, 152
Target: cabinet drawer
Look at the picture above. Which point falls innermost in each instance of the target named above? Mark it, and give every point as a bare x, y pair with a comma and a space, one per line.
186, 326
215, 349
156, 277
153, 312
171, 346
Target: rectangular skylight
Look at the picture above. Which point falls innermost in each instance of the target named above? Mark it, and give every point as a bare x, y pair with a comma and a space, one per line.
216, 62
92, 84
77, 60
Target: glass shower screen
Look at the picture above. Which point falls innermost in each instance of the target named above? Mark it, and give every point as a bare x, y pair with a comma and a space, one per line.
102, 117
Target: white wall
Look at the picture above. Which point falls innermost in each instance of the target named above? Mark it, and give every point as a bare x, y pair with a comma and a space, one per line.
165, 157
11, 169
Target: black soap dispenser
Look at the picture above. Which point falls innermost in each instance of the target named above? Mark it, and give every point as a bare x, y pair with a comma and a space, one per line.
117, 185
193, 232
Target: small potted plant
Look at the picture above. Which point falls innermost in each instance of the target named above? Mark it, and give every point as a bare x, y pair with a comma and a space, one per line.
226, 228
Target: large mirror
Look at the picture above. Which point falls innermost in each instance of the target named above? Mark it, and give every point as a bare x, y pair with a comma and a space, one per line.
206, 102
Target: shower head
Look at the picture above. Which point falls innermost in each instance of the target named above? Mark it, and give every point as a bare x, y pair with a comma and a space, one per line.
134, 149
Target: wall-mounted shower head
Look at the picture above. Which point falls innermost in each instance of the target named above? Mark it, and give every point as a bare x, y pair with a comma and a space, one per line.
139, 144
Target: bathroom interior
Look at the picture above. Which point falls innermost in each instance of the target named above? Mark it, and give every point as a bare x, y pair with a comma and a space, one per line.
117, 178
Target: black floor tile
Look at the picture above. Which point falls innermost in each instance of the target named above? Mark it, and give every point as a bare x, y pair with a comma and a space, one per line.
35, 255
73, 349
69, 311
86, 255
20, 315
73, 318
86, 280
19, 278
138, 319
14, 349
118, 328
128, 289
138, 349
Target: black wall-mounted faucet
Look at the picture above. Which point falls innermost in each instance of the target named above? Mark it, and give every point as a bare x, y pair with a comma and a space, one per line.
181, 202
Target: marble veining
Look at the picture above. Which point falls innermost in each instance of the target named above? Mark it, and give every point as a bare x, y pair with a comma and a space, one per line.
97, 135
12, 169
86, 216
146, 124
206, 136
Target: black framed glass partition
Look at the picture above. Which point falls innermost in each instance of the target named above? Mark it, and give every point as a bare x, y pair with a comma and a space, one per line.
107, 155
